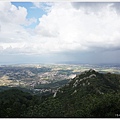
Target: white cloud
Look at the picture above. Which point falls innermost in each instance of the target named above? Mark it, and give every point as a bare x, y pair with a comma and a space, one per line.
63, 28
12, 14
46, 6
13, 36
74, 29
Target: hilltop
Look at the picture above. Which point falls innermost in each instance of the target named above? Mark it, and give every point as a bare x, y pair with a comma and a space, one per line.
92, 82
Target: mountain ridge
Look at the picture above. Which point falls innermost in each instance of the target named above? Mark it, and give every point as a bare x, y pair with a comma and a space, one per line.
95, 81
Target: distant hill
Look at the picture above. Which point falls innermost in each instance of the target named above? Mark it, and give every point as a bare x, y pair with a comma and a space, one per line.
90, 94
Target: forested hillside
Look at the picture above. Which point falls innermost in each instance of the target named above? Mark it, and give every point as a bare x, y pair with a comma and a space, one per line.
90, 94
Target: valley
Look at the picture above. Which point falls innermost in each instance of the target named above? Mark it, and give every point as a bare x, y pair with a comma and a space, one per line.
46, 78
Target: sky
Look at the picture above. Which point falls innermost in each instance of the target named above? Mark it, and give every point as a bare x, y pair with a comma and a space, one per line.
59, 32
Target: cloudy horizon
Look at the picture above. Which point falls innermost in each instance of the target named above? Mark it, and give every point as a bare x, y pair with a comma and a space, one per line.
39, 32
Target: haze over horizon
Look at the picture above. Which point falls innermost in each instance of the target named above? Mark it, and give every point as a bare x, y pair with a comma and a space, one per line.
44, 32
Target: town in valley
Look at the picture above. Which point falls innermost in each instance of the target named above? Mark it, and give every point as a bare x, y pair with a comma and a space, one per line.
46, 78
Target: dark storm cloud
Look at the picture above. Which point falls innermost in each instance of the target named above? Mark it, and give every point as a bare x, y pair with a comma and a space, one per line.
91, 57
116, 5
95, 6
91, 5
